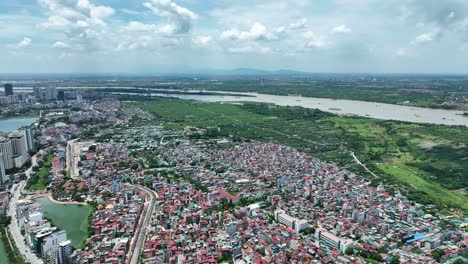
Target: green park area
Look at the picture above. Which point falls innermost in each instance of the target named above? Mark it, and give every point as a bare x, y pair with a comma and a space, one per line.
426, 162
70, 217
39, 179
3, 253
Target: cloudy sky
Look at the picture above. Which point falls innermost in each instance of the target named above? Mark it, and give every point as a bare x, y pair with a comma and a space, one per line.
149, 36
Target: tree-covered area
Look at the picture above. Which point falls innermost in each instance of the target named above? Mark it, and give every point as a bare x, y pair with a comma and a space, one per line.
39, 179
13, 253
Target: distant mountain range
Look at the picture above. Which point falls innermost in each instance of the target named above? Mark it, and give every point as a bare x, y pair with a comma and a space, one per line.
249, 71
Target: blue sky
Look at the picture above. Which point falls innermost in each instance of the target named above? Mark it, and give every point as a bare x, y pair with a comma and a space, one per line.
149, 36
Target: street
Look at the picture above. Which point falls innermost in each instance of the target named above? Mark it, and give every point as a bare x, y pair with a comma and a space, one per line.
14, 228
141, 234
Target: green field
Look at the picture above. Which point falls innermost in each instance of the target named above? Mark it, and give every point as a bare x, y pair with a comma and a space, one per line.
72, 218
429, 161
39, 180
3, 253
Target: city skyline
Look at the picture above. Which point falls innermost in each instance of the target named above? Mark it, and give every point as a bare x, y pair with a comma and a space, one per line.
164, 36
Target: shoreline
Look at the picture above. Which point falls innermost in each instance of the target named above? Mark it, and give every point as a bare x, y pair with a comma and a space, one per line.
50, 198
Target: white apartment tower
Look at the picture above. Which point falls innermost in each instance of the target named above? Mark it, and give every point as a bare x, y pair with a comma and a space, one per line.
7, 151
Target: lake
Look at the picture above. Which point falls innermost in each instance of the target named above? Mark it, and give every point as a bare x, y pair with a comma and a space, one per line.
12, 124
345, 107
70, 217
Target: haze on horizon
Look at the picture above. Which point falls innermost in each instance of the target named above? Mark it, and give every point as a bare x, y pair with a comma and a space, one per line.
146, 36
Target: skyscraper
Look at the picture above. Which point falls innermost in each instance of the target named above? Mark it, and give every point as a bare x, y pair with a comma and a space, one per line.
6, 150
51, 93
61, 95
8, 89
19, 147
65, 251
3, 176
28, 134
45, 93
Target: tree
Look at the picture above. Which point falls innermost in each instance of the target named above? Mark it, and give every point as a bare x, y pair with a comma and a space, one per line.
437, 255
395, 260
349, 251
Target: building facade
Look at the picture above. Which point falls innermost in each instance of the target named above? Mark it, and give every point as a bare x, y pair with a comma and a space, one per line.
19, 148
29, 137
3, 176
7, 152
8, 89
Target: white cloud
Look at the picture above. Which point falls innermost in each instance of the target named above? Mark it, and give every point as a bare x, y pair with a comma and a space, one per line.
201, 40
451, 15
60, 45
341, 29
180, 19
257, 32
137, 26
316, 41
426, 37
68, 15
249, 49
24, 43
82, 23
298, 24
129, 11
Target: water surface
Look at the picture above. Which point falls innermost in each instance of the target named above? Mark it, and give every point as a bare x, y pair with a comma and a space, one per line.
346, 107
70, 217
12, 124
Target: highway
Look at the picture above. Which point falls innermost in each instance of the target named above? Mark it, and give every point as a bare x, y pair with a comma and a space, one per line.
140, 239
14, 228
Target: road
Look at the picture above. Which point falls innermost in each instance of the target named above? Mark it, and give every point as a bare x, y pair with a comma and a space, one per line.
14, 228
362, 164
142, 232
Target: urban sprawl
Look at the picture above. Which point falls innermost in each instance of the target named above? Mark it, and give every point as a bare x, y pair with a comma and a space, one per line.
162, 195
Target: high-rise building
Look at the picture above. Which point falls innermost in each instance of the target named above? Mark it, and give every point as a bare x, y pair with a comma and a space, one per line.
3, 176
7, 151
37, 92
65, 251
45, 93
46, 239
8, 89
51, 93
19, 148
61, 95
28, 134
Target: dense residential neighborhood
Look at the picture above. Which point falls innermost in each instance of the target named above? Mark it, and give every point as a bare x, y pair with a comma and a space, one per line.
164, 195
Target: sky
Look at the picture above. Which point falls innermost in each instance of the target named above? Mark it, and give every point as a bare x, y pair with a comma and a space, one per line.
170, 36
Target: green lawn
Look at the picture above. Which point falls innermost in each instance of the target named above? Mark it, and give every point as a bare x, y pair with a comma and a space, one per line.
72, 218
439, 194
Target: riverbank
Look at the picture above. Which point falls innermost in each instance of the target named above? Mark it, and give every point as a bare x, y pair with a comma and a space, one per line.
373, 110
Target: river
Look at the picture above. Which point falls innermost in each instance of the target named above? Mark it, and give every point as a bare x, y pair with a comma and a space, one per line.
12, 124
345, 107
